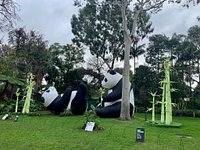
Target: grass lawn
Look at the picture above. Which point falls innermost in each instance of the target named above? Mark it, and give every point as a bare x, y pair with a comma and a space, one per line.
48, 132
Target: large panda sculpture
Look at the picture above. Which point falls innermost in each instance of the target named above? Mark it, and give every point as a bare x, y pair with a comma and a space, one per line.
112, 101
70, 100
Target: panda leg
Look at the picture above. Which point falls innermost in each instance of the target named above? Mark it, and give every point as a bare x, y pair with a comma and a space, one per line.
112, 111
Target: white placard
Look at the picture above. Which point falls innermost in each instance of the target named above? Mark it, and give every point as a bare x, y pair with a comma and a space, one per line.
89, 126
5, 117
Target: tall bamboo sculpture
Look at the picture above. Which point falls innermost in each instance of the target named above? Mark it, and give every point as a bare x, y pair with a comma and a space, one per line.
166, 102
166, 95
162, 119
29, 87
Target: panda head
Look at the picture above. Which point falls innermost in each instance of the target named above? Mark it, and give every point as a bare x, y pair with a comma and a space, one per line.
49, 95
111, 78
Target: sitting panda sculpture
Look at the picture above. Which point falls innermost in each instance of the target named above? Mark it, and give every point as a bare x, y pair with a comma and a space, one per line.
70, 100
112, 101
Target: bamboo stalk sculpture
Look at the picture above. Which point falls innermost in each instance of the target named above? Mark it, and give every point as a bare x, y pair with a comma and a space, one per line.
153, 106
162, 119
17, 101
167, 94
29, 87
166, 102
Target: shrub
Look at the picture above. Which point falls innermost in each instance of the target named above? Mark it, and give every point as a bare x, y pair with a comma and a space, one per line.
9, 106
187, 112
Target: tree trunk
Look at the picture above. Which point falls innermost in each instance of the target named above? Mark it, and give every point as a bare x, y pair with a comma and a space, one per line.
12, 88
113, 62
4, 91
190, 78
198, 70
39, 78
125, 105
134, 61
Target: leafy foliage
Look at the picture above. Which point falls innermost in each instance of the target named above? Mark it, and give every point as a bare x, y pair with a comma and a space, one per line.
63, 60
31, 53
99, 27
14, 81
9, 106
145, 80
156, 51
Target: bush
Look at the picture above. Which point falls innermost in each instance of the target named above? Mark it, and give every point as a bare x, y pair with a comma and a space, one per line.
193, 104
9, 106
140, 109
187, 112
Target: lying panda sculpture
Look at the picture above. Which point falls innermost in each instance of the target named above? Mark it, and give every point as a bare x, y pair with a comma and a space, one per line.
113, 81
71, 100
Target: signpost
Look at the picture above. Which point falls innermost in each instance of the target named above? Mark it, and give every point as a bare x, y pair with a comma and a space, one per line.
140, 132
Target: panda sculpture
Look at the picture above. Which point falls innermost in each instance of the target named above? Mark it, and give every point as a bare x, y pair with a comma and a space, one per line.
112, 101
70, 100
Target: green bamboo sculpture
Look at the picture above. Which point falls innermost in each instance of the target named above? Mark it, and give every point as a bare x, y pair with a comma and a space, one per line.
17, 101
153, 106
162, 119
167, 93
29, 88
101, 91
166, 102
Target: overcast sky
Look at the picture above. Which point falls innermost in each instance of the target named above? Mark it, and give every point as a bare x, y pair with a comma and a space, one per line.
52, 18
49, 17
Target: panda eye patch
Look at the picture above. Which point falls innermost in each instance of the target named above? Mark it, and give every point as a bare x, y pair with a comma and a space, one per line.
105, 79
48, 91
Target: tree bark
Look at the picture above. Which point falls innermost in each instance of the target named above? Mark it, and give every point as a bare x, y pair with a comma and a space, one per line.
125, 105
39, 78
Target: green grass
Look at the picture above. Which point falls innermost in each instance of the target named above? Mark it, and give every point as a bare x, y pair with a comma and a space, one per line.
48, 132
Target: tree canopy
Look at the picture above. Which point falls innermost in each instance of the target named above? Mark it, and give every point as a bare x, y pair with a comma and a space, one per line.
98, 26
63, 62
31, 53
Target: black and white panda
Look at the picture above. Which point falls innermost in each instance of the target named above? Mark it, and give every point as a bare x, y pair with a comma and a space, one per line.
112, 100
70, 100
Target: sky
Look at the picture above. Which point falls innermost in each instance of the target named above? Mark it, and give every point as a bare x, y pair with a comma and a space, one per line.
51, 18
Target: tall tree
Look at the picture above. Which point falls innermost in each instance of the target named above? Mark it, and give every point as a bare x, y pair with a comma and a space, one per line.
130, 36
32, 54
156, 51
8, 61
8, 14
194, 37
187, 57
99, 27
97, 65
136, 51
64, 59
145, 81
173, 45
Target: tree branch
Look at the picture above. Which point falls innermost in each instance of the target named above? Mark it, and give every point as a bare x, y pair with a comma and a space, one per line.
157, 5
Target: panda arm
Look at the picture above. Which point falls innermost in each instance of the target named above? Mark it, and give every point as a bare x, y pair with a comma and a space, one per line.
115, 95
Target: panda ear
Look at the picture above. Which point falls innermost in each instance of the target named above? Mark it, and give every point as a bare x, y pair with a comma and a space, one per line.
112, 72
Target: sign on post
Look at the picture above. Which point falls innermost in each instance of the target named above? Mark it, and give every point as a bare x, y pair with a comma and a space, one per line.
140, 132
